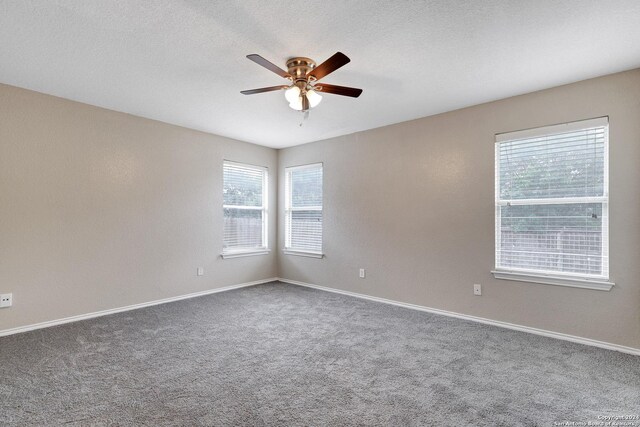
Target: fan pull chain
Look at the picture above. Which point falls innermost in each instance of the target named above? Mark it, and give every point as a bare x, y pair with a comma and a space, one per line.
305, 117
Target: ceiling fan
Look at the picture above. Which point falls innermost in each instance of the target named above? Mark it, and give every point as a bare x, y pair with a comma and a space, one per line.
302, 94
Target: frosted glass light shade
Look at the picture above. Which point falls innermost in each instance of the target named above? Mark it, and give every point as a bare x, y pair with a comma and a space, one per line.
296, 104
292, 94
314, 98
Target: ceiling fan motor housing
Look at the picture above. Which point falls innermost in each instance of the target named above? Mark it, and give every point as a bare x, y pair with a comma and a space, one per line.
298, 68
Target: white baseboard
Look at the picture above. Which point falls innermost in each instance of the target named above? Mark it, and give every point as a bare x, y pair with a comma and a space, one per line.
56, 322
536, 331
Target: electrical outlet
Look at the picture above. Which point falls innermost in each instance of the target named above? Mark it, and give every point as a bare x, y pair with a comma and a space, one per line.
6, 300
362, 273
200, 271
477, 289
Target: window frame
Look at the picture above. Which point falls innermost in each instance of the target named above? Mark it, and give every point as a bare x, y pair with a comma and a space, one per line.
236, 252
598, 282
288, 210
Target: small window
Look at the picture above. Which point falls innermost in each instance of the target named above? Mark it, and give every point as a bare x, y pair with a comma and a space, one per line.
245, 209
303, 210
552, 205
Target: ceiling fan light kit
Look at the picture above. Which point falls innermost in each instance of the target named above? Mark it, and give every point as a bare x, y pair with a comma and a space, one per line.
303, 92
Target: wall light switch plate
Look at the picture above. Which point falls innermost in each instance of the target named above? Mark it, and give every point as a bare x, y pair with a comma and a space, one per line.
477, 289
6, 300
362, 273
200, 271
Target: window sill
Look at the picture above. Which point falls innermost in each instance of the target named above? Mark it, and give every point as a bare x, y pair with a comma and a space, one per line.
303, 253
597, 284
238, 254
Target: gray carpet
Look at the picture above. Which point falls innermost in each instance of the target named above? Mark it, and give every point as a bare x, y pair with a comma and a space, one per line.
279, 354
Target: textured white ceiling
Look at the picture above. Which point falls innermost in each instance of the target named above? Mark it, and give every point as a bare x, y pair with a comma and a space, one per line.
183, 61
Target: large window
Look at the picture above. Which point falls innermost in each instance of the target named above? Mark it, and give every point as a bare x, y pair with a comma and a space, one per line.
245, 209
552, 216
303, 210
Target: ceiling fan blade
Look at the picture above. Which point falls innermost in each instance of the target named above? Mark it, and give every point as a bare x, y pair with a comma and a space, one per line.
263, 89
339, 90
268, 65
330, 65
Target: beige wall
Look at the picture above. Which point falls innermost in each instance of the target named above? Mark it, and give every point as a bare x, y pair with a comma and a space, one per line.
413, 204
100, 209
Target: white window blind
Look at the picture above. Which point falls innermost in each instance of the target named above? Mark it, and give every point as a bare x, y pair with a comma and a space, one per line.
303, 208
245, 208
552, 201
